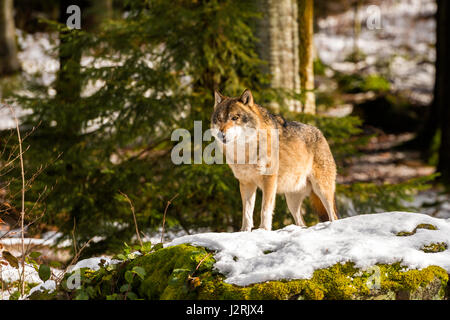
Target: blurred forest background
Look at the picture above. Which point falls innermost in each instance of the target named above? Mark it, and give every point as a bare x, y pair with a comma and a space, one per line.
96, 107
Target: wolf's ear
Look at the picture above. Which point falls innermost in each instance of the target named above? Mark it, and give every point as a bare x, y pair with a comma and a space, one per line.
218, 98
246, 98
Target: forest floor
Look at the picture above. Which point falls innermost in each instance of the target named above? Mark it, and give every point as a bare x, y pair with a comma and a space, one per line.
381, 162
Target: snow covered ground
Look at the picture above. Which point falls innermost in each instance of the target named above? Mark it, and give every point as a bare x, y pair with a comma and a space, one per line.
294, 252
401, 48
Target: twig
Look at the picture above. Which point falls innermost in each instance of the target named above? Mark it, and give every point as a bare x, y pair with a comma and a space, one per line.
134, 215
148, 148
143, 234
201, 261
22, 212
75, 258
74, 240
164, 217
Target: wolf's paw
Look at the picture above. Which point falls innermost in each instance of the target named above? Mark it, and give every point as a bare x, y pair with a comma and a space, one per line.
246, 229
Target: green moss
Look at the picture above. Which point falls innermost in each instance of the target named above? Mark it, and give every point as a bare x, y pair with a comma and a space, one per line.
375, 83
420, 226
355, 83
434, 247
167, 271
411, 283
426, 226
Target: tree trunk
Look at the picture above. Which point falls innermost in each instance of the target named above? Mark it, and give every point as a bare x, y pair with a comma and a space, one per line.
306, 35
442, 86
9, 63
279, 46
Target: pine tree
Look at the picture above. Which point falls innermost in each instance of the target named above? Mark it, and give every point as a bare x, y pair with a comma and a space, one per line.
162, 64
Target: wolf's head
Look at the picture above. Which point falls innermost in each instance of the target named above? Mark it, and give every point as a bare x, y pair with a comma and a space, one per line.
234, 118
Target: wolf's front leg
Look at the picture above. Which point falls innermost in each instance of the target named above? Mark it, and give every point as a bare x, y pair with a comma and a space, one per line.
248, 195
269, 191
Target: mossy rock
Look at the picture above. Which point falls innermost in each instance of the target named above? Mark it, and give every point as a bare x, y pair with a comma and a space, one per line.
187, 272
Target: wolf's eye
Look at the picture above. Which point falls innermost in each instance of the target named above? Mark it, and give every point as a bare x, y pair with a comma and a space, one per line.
234, 118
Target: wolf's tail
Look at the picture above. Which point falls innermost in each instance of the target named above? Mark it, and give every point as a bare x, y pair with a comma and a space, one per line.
319, 208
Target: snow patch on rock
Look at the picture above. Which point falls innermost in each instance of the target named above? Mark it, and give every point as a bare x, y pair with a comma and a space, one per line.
294, 252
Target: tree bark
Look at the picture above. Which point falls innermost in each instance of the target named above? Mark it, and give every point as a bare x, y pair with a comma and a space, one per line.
279, 46
442, 86
306, 36
9, 63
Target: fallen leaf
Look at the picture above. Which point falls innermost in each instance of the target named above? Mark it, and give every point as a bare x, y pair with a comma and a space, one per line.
11, 259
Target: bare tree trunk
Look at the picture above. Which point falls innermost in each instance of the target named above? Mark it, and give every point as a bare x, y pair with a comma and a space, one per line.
279, 45
442, 86
9, 63
306, 35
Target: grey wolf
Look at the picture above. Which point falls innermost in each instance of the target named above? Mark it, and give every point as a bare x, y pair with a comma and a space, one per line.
304, 165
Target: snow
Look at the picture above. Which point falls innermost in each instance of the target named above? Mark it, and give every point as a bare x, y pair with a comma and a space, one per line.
10, 274
403, 43
48, 239
49, 285
93, 263
37, 55
294, 252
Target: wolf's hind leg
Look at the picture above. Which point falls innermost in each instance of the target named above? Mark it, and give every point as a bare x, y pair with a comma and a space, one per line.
248, 195
294, 201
